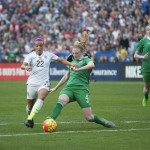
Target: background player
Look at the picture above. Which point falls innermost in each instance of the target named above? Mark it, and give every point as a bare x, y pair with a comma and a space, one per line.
144, 48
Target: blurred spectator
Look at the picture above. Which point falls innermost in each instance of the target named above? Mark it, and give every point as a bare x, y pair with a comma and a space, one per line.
4, 60
117, 55
12, 44
132, 46
123, 53
125, 58
27, 47
12, 60
103, 59
11, 56
112, 59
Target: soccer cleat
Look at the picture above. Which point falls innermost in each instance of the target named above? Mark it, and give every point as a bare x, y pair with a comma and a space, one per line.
29, 123
144, 102
109, 124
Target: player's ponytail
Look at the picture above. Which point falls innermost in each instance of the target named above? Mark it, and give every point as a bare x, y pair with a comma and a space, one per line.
82, 44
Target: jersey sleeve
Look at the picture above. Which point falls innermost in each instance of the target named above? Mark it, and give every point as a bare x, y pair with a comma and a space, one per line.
140, 46
54, 57
28, 59
87, 60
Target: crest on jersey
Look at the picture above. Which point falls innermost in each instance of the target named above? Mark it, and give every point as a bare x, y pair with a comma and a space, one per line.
40, 57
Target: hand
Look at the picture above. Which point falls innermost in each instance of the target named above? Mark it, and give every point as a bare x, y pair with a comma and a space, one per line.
75, 65
145, 56
74, 69
52, 90
28, 68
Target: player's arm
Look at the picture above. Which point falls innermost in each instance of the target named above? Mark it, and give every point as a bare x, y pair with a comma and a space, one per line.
65, 62
90, 65
137, 56
25, 66
61, 82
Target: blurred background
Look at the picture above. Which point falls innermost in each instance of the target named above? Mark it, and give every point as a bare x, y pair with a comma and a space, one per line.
116, 26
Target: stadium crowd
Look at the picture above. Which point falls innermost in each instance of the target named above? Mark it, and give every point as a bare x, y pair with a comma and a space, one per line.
115, 26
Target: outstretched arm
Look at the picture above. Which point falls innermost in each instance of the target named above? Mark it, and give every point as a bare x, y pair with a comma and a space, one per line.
90, 65
137, 56
65, 62
61, 82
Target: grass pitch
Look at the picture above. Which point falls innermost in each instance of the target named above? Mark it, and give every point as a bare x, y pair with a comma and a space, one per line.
119, 102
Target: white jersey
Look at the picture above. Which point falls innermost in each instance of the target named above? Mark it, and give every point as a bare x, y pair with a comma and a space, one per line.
40, 73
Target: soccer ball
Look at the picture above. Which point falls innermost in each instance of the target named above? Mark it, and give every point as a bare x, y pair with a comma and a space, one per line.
49, 125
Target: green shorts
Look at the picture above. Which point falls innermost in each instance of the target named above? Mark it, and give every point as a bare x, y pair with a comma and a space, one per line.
77, 93
146, 77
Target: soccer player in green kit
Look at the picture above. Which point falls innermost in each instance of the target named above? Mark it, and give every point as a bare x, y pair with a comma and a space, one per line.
76, 88
144, 48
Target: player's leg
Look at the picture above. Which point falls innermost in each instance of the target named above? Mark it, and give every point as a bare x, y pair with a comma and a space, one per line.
146, 90
146, 78
83, 99
30, 105
42, 93
31, 96
94, 118
65, 97
62, 101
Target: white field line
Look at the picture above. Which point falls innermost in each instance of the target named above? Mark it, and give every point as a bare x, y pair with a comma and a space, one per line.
66, 132
136, 121
2, 124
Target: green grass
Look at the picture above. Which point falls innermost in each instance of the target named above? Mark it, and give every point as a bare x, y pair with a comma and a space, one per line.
115, 101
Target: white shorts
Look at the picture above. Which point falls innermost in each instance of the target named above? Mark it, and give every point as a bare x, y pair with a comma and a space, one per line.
32, 90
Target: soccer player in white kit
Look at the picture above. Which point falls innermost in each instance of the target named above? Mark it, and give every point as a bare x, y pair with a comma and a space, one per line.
38, 83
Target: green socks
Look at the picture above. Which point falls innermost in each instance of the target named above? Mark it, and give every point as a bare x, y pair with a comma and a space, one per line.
98, 120
145, 94
57, 109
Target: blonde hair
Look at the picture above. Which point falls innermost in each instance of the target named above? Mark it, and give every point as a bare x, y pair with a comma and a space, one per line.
82, 44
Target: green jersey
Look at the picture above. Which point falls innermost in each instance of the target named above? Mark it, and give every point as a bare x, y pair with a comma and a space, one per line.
80, 77
144, 47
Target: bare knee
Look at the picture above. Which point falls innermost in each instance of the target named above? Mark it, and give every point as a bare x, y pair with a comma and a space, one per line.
64, 98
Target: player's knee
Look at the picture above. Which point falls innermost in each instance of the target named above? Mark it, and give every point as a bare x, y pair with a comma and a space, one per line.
64, 99
61, 102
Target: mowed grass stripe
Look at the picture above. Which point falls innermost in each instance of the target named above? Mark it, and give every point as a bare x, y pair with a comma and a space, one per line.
1, 124
122, 130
